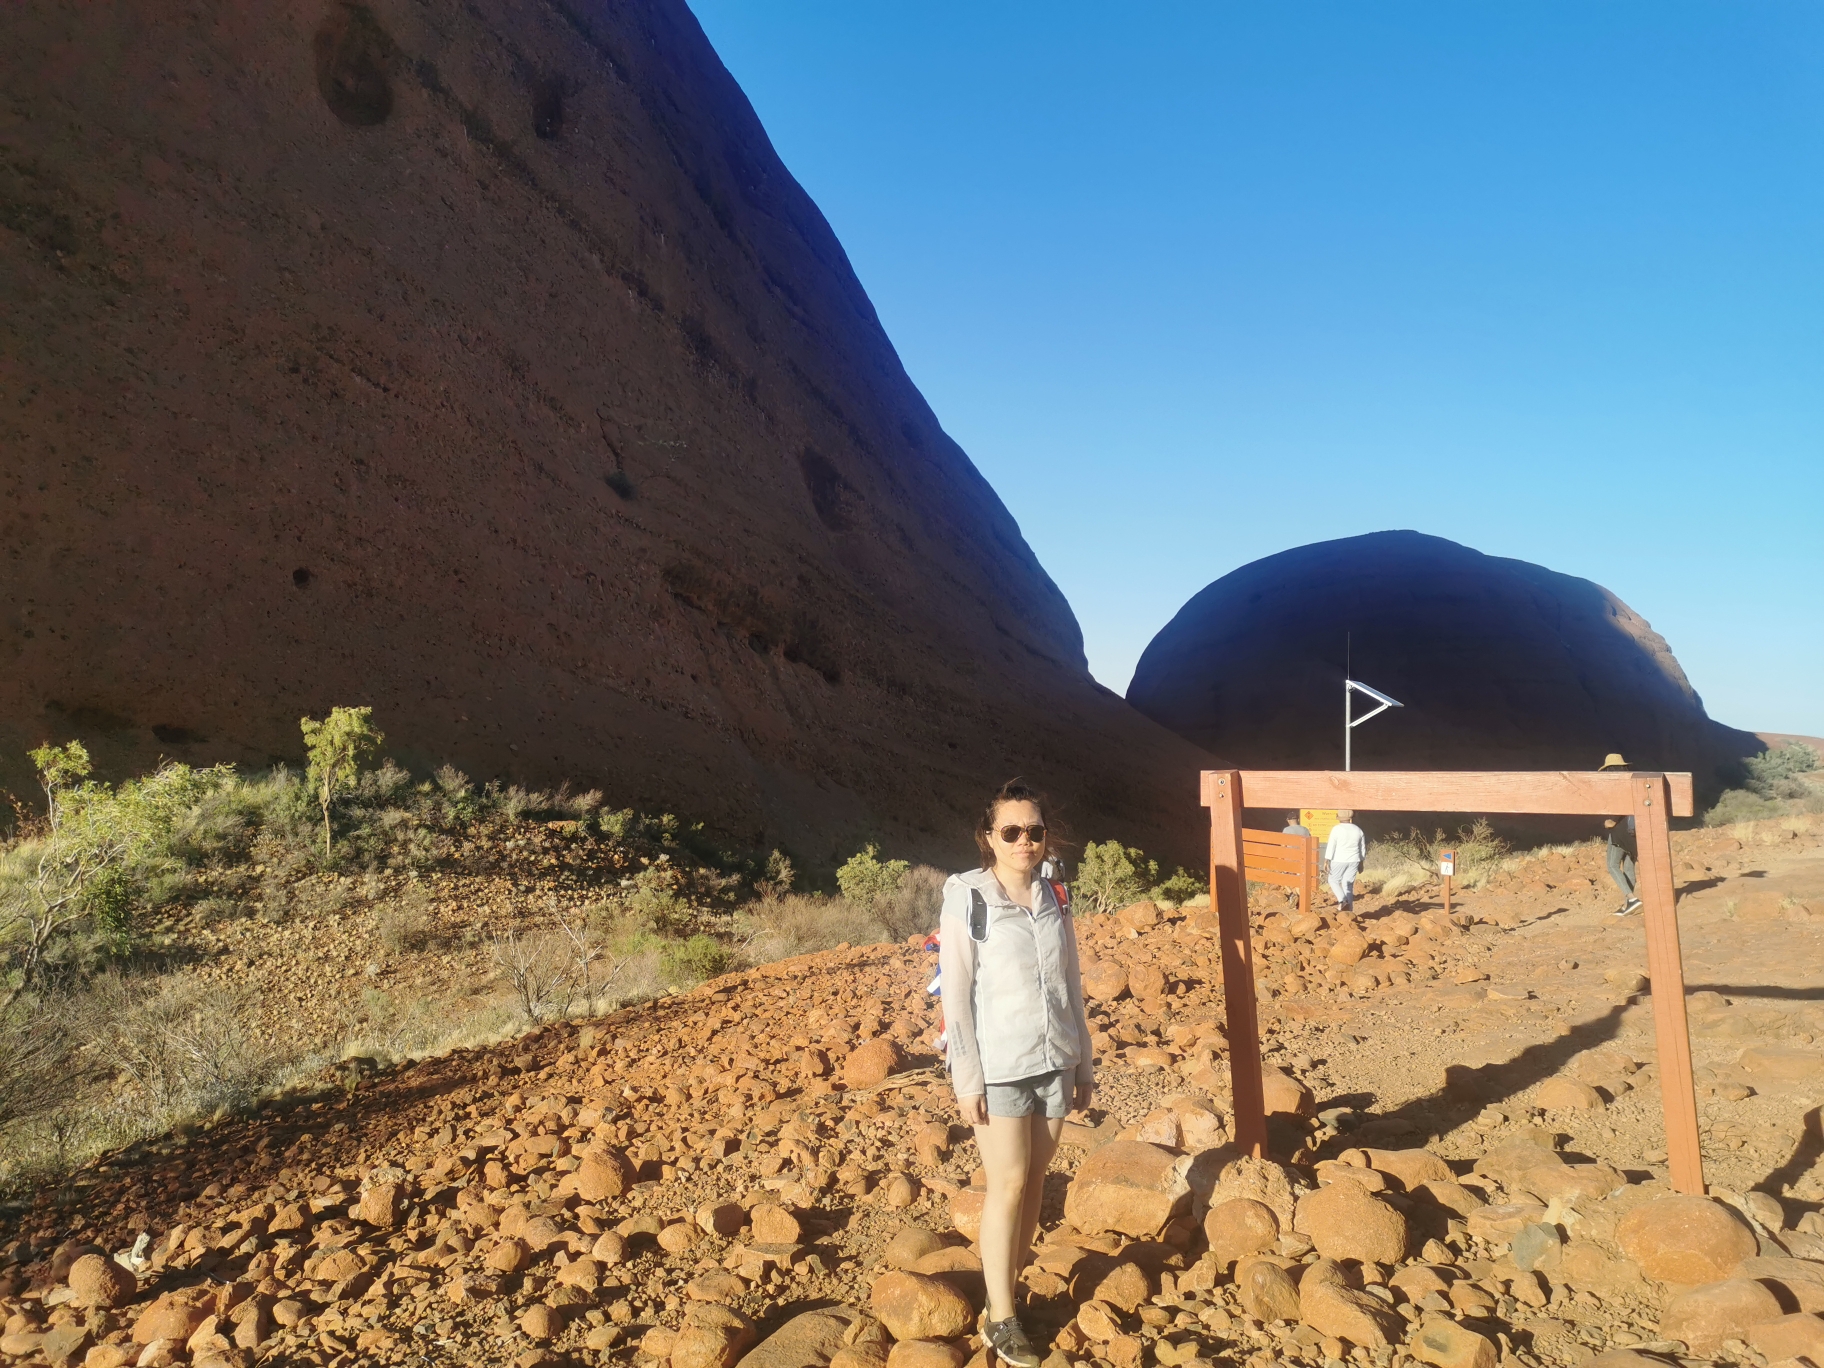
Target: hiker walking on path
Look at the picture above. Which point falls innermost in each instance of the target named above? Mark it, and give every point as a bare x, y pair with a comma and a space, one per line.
1344, 853
1624, 850
1294, 827
1017, 1037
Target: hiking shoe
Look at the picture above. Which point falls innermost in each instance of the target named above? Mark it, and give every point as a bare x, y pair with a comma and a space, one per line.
1009, 1342
1632, 905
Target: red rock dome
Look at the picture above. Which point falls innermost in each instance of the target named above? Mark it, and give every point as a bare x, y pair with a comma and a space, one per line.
1500, 665
483, 364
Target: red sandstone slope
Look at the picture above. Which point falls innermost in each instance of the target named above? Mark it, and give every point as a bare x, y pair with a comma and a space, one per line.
486, 366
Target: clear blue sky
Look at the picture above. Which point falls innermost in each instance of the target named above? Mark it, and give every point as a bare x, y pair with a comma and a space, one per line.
1544, 278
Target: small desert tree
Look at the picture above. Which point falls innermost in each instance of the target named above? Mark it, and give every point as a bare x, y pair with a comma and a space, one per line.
1111, 875
867, 878
336, 746
86, 859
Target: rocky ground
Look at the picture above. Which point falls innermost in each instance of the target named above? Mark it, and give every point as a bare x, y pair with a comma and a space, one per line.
1468, 1164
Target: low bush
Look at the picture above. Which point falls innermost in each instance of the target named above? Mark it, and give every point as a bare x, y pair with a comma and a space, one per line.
867, 879
776, 928
1110, 876
1399, 864
1781, 781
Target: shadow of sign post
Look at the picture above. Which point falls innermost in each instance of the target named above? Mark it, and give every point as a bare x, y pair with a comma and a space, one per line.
1650, 798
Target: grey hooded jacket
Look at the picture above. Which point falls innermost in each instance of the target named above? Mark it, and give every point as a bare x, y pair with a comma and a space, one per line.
1013, 1003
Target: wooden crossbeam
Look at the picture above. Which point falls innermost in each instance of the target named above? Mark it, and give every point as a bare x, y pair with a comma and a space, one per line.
1575, 792
1651, 799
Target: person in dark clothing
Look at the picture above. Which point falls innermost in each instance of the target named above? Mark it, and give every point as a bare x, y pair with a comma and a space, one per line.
1624, 850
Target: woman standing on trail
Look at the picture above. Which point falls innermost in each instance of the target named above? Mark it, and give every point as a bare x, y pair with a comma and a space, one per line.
1018, 1040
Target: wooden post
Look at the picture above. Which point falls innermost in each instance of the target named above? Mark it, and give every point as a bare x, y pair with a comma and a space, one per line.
1307, 889
1229, 892
1447, 895
1665, 966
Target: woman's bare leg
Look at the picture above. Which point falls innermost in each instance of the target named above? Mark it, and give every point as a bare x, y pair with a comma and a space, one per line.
1041, 1145
1005, 1145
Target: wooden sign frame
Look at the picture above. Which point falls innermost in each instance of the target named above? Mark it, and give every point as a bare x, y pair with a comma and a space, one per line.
1650, 798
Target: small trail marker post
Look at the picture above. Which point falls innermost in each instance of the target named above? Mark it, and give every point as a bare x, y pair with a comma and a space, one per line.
1650, 798
1447, 866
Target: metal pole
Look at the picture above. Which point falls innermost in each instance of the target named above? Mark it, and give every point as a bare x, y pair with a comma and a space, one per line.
1348, 728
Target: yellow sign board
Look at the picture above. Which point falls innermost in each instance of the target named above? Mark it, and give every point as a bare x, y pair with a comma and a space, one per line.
1318, 821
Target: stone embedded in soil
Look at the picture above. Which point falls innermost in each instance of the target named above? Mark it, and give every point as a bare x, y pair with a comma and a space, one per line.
918, 1306
774, 1224
1450, 1345
541, 1322
1139, 916
909, 1245
711, 1337
808, 1340
173, 1316
1128, 1186
1799, 1335
1706, 1316
1285, 1095
872, 1062
1103, 980
1330, 1306
1685, 1239
98, 1281
1222, 1175
1266, 1290
925, 1354
383, 1203
1783, 1063
603, 1174
1098, 1321
509, 1256
1239, 1227
966, 1211
1346, 1222
1567, 1094
1537, 1246
1125, 1286
1410, 1166
723, 1218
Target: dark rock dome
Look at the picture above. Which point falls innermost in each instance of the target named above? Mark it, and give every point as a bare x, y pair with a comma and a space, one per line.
1500, 665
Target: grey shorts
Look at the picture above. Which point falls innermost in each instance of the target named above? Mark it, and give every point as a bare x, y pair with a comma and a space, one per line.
1047, 1095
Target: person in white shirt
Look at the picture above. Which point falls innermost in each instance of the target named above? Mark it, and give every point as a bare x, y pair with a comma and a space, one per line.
1344, 852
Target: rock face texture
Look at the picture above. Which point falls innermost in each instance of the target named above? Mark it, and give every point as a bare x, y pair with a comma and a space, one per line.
485, 366
1500, 665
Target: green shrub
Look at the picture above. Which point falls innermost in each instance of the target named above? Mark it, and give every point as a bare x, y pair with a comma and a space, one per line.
1180, 888
866, 878
655, 898
1110, 876
701, 957
1396, 864
1774, 773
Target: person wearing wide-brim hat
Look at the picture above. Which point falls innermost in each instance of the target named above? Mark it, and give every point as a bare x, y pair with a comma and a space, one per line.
1623, 850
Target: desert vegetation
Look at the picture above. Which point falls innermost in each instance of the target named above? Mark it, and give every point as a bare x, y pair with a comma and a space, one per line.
1782, 781
150, 928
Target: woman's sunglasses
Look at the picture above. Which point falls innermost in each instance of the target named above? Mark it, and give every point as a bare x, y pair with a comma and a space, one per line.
1010, 834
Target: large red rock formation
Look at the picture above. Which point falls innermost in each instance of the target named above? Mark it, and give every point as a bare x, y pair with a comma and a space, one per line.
1500, 665
483, 364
